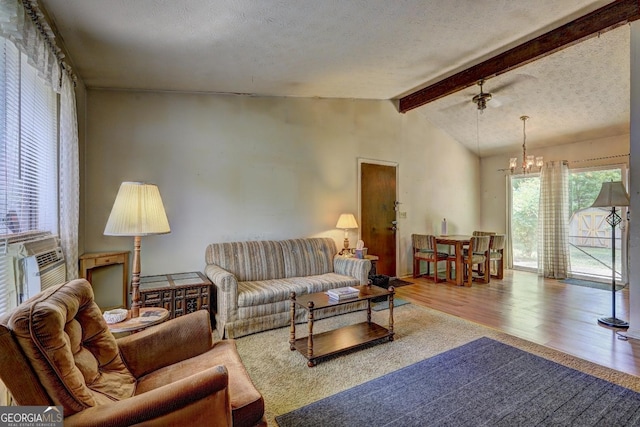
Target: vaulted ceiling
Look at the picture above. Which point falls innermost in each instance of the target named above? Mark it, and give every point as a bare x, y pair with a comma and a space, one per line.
365, 49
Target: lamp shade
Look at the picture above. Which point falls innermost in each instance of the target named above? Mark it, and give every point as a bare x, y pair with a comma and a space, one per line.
611, 194
137, 211
346, 221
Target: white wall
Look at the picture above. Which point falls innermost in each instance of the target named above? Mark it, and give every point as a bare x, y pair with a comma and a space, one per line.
634, 188
244, 168
494, 182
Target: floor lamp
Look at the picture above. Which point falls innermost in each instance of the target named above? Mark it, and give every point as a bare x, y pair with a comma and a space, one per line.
612, 194
137, 211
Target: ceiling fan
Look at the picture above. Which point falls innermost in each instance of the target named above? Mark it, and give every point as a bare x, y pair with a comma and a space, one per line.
498, 96
482, 98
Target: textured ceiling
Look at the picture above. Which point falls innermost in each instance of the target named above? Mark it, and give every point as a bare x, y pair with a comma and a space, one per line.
579, 93
368, 49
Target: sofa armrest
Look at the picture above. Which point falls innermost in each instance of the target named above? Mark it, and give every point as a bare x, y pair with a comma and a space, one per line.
354, 267
200, 399
167, 343
226, 285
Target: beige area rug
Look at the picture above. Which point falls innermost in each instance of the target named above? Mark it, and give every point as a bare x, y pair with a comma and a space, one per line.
285, 381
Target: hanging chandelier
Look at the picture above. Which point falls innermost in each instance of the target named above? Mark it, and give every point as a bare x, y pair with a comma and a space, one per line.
528, 161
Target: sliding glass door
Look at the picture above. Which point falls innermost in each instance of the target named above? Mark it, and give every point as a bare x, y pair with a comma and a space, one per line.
525, 198
589, 233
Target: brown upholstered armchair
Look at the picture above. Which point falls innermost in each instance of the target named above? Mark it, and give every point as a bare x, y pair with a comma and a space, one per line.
56, 349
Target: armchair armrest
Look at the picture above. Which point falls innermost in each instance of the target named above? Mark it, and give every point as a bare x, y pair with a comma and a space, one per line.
226, 285
167, 343
200, 399
354, 267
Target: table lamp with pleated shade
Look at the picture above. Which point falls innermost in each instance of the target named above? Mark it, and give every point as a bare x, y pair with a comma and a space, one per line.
346, 222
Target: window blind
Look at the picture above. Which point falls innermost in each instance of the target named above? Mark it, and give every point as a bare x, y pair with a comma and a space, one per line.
29, 158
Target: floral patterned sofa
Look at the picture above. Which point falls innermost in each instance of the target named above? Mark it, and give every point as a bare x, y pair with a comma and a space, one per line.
253, 281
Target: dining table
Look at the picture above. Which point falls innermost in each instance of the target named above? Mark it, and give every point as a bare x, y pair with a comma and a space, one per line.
458, 242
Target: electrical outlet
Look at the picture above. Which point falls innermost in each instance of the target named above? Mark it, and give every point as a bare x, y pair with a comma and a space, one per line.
402, 215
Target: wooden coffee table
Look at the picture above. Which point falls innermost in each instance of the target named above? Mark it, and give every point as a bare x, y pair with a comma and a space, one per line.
342, 339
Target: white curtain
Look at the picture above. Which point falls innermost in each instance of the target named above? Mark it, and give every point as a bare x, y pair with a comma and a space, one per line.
553, 221
69, 177
18, 24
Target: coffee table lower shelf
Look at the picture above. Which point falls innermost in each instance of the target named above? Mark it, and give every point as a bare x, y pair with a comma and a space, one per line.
340, 340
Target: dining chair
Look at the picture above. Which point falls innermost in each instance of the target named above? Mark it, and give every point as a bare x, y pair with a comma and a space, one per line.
485, 233
425, 249
477, 254
496, 254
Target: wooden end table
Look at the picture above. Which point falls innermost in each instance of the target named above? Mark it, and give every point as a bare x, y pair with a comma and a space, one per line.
92, 260
149, 316
342, 339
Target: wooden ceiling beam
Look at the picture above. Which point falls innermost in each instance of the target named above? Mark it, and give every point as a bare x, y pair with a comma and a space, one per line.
606, 18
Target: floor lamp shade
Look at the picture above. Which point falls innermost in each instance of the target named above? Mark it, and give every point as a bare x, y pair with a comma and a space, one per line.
137, 211
612, 194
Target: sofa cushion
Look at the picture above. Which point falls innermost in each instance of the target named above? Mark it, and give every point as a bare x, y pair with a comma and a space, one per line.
308, 257
323, 282
76, 358
267, 291
264, 298
248, 261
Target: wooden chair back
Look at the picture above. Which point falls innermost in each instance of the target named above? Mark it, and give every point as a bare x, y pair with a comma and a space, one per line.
484, 233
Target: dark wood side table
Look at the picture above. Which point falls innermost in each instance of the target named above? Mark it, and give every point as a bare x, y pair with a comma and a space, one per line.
374, 262
89, 261
179, 293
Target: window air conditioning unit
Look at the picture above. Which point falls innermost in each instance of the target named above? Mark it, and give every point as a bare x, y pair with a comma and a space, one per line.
37, 265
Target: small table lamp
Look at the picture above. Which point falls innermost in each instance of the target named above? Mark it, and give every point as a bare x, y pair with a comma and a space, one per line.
137, 211
612, 194
346, 222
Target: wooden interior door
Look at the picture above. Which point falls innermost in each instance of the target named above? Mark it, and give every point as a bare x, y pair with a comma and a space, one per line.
378, 214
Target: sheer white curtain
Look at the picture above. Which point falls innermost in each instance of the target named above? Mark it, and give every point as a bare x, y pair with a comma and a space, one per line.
69, 176
23, 23
17, 24
553, 221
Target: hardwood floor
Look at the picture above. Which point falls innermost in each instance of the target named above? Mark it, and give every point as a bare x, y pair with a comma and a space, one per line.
544, 311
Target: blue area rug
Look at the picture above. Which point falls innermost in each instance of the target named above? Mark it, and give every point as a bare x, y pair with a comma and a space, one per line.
484, 382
